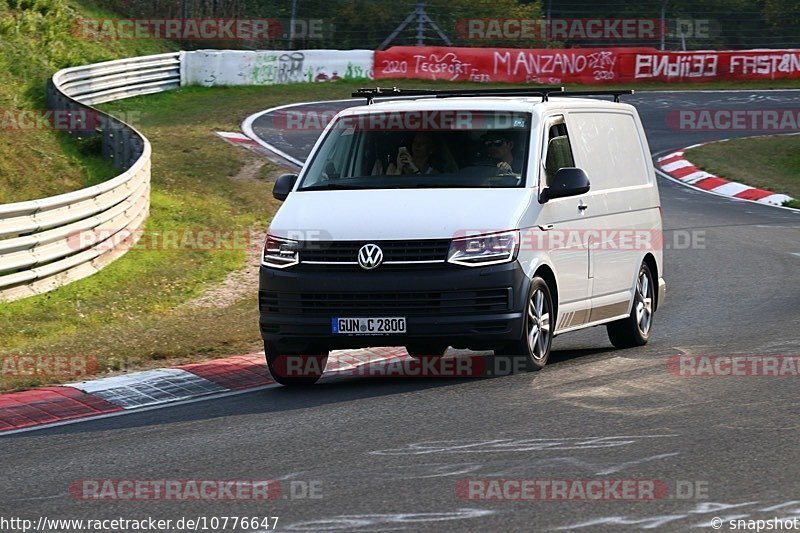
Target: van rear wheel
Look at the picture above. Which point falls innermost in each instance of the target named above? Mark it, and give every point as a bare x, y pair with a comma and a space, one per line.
635, 329
295, 369
532, 351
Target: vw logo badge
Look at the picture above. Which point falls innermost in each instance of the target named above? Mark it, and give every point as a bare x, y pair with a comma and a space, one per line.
370, 256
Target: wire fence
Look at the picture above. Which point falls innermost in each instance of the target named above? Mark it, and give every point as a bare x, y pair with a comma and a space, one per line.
375, 24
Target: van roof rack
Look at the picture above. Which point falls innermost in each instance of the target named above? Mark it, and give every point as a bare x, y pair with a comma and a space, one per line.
615, 94
384, 92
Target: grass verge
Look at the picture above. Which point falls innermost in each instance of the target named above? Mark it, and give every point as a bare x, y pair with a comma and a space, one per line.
132, 314
771, 163
37, 38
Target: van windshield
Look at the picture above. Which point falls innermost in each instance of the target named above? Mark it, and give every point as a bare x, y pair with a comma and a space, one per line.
422, 149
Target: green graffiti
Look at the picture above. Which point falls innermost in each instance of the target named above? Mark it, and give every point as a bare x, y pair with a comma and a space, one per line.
356, 72
265, 69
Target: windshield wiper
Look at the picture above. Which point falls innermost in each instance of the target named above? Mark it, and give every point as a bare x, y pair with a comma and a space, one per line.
331, 187
441, 186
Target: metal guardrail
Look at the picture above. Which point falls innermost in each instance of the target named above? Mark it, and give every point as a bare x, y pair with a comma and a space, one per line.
50, 242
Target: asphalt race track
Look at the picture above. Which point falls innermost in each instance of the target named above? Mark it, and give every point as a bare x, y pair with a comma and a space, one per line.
389, 454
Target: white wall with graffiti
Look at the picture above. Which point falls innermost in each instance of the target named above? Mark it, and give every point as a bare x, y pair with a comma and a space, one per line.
269, 67
550, 66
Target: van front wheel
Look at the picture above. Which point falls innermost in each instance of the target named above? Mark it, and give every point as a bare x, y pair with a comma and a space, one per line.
532, 351
635, 329
294, 369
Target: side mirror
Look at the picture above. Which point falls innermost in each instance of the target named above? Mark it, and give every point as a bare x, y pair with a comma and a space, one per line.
283, 186
569, 181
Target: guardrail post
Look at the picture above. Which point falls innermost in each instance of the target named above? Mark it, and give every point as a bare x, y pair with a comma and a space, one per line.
51, 94
126, 135
107, 132
137, 147
119, 145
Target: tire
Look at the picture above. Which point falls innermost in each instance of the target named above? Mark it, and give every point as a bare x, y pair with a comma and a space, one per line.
295, 369
426, 350
635, 329
532, 351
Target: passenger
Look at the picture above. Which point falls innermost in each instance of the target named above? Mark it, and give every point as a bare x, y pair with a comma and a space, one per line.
418, 160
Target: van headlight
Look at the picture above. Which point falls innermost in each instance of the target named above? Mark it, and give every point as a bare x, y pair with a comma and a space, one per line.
280, 252
481, 250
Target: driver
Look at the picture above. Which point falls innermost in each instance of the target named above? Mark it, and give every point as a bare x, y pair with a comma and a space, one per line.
500, 149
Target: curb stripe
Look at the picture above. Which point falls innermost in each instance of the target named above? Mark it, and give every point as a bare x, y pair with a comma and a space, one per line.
732, 188
671, 157
754, 194
775, 199
152, 387
675, 165
48, 405
697, 176
710, 183
236, 138
683, 170
234, 373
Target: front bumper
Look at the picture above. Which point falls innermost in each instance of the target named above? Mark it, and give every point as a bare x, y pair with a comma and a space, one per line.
662, 292
293, 326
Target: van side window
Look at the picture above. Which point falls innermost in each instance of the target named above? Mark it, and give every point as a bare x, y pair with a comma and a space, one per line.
559, 151
611, 149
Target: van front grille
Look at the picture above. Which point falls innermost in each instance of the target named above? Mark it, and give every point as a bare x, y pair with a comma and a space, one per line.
387, 303
393, 251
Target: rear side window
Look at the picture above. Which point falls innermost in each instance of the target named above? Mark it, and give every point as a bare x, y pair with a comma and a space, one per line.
609, 149
558, 150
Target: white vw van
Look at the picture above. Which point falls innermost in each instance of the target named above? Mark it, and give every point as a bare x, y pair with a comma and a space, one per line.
489, 220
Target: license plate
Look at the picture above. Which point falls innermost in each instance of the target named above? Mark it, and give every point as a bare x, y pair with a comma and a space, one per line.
368, 326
